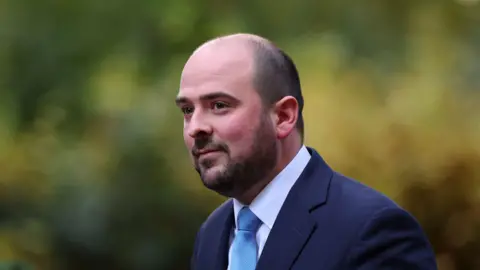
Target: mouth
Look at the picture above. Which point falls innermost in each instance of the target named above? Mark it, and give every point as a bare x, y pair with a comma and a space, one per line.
206, 153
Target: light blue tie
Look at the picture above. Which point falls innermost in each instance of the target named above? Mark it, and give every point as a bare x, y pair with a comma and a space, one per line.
244, 246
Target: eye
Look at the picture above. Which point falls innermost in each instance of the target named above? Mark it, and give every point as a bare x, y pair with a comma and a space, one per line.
187, 110
218, 105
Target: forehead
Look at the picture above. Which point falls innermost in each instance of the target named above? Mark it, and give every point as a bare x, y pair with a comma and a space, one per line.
218, 68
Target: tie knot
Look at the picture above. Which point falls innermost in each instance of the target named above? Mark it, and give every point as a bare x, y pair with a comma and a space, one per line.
247, 220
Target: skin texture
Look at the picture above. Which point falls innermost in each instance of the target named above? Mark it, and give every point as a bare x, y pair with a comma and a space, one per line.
237, 143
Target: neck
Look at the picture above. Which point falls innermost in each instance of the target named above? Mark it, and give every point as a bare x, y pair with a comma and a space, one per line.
287, 152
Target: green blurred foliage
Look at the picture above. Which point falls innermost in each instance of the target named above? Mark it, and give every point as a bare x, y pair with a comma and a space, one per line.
93, 171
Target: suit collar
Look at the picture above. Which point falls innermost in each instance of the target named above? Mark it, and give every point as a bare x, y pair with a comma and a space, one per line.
314, 183
294, 224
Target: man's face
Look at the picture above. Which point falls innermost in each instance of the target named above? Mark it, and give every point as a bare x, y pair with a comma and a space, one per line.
227, 131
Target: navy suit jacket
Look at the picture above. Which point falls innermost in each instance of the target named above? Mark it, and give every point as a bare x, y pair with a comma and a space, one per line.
327, 222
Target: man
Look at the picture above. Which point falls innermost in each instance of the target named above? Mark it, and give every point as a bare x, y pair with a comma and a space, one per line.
242, 106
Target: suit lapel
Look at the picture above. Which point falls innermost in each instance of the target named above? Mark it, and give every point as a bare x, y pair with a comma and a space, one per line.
287, 238
294, 224
216, 238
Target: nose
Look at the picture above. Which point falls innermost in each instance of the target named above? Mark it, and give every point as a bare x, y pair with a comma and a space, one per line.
198, 126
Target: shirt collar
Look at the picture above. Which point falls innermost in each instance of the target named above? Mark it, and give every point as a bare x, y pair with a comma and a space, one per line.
268, 203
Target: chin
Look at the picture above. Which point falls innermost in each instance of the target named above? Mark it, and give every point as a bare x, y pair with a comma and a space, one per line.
213, 180
212, 174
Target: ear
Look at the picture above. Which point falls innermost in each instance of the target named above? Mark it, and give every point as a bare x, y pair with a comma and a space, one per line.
286, 115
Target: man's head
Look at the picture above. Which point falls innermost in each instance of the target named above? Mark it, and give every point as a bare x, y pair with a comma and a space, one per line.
242, 105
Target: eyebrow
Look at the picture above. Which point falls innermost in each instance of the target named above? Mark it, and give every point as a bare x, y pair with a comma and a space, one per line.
206, 97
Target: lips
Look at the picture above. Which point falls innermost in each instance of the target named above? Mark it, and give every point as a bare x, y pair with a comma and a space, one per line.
204, 152
209, 152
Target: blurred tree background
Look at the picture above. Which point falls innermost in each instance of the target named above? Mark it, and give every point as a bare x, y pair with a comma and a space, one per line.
93, 170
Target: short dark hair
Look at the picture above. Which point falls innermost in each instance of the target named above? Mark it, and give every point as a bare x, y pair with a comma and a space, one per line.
276, 76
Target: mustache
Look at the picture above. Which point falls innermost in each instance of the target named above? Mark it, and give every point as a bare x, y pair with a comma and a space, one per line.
207, 145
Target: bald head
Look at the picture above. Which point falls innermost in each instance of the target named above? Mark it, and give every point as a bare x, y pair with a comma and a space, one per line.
273, 72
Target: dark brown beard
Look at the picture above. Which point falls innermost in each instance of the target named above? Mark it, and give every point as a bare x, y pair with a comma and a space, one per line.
241, 175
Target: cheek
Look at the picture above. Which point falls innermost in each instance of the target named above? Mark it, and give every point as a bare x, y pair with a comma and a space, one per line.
188, 140
238, 132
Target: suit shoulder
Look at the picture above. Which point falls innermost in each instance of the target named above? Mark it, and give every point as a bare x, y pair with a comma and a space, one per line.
356, 198
352, 207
